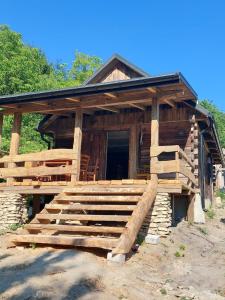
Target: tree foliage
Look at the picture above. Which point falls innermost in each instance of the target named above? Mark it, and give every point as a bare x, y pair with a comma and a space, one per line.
219, 117
24, 68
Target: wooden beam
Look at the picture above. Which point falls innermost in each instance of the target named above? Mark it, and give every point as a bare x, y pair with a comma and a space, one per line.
73, 99
35, 171
45, 155
114, 102
108, 109
40, 103
169, 102
77, 140
152, 90
74, 228
83, 105
96, 242
110, 95
137, 106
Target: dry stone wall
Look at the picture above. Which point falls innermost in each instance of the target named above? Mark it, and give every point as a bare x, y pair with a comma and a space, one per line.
12, 210
159, 219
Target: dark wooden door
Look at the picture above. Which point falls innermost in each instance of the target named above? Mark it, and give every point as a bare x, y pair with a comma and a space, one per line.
94, 144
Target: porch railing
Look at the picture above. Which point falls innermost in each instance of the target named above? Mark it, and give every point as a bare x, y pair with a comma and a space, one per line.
180, 164
36, 166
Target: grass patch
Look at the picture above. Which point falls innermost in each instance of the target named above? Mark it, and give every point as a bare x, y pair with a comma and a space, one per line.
14, 227
163, 291
221, 194
210, 213
178, 254
182, 247
140, 239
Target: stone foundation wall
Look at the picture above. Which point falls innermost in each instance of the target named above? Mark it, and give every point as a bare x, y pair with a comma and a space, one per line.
12, 210
159, 219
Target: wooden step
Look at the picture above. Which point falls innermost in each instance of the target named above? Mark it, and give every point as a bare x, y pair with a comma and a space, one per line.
97, 198
74, 207
75, 228
119, 190
76, 217
105, 243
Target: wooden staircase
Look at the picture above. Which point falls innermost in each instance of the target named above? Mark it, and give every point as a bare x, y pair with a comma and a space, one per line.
88, 216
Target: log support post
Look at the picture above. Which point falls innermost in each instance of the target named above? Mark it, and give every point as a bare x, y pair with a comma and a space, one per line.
154, 135
15, 140
190, 210
133, 152
77, 140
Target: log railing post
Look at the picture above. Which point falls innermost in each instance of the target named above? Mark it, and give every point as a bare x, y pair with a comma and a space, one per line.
154, 135
15, 140
77, 145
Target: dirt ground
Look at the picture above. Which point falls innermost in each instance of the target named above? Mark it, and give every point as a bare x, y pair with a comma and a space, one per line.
190, 264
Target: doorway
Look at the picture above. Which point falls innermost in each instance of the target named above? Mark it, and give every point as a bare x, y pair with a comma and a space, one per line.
117, 155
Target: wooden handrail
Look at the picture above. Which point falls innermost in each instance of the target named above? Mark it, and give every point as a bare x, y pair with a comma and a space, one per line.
175, 165
53, 154
184, 156
36, 164
133, 226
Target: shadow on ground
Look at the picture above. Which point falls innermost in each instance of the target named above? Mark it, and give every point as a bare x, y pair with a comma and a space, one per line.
17, 281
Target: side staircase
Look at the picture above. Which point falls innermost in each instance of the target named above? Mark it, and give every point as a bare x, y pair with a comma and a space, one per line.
87, 216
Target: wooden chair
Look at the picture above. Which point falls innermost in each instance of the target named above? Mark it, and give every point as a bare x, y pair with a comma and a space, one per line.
55, 163
93, 171
84, 162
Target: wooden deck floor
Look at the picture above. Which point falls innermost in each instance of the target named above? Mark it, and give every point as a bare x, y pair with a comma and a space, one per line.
48, 188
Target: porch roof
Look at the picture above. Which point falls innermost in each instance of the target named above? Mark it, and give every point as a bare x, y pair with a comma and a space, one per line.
170, 88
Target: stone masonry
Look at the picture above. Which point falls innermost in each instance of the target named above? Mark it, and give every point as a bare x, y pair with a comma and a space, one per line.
159, 219
12, 210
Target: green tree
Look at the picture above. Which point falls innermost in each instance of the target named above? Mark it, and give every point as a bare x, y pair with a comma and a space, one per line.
26, 69
219, 117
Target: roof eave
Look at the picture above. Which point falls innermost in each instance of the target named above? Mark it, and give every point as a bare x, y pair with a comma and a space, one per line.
93, 89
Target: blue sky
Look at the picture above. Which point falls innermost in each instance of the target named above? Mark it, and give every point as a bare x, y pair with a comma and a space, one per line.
158, 36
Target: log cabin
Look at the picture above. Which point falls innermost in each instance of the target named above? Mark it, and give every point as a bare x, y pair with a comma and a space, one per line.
120, 143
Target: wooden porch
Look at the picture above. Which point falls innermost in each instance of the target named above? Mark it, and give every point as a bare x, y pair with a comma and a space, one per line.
40, 173
106, 213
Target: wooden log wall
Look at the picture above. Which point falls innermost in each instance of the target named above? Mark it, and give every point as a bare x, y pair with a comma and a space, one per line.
175, 128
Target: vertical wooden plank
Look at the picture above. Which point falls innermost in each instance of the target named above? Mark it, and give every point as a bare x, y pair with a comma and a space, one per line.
154, 134
15, 140
190, 211
77, 139
133, 152
1, 125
